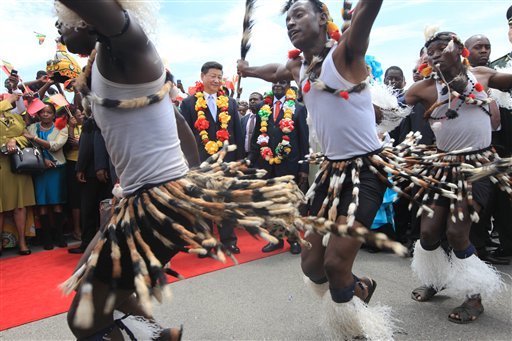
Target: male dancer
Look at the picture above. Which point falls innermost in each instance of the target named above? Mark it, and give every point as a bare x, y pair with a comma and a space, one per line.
129, 91
340, 92
458, 109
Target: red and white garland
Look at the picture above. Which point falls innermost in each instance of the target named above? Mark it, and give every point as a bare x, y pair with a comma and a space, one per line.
286, 125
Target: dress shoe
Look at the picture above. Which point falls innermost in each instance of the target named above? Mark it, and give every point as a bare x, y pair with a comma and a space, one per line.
295, 248
76, 250
24, 252
48, 246
233, 249
272, 247
501, 253
490, 259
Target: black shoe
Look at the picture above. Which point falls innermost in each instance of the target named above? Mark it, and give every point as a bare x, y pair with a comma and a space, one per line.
24, 252
76, 250
272, 247
48, 246
501, 253
490, 259
295, 248
233, 249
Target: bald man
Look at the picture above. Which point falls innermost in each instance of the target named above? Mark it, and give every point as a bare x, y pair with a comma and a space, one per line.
479, 48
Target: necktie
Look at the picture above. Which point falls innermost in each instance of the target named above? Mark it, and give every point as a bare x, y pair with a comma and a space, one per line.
250, 131
277, 109
212, 106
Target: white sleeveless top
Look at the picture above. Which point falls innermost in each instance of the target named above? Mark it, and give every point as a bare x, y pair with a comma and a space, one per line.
472, 128
345, 128
143, 143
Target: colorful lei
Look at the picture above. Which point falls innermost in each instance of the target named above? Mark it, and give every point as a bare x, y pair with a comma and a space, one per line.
286, 125
202, 124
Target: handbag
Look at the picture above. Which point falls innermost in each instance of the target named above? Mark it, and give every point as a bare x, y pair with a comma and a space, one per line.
28, 160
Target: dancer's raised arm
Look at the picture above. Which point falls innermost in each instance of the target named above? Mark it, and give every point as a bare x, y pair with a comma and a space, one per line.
118, 32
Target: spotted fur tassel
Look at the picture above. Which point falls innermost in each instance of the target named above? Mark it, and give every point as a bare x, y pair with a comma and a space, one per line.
225, 193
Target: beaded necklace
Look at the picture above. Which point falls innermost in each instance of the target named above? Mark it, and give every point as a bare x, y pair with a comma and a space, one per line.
467, 98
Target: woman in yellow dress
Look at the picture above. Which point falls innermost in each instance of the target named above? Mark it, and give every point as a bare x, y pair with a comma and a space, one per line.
16, 190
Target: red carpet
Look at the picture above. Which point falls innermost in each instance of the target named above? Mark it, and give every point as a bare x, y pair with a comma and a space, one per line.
28, 285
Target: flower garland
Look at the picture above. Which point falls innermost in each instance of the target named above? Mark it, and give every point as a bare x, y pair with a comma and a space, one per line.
286, 125
202, 124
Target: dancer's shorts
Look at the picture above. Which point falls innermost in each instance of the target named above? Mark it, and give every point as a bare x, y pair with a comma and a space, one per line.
371, 193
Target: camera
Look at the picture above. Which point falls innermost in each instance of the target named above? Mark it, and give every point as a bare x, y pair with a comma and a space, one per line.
14, 72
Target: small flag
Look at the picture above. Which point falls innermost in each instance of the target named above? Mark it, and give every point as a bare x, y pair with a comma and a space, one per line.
235, 78
229, 84
59, 101
7, 67
35, 106
192, 90
40, 37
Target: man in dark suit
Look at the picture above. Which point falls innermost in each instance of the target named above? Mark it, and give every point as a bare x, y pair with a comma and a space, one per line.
299, 143
503, 141
211, 78
93, 171
210, 129
248, 121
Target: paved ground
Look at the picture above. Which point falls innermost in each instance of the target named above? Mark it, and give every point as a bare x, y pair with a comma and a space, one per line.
266, 300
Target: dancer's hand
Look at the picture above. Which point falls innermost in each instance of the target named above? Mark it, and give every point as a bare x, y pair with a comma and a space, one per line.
241, 65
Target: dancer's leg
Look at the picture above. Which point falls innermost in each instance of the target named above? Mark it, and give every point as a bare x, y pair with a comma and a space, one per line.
430, 263
101, 321
339, 260
458, 237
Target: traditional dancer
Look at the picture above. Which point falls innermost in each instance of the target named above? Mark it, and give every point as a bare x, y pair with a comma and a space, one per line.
128, 90
350, 184
461, 120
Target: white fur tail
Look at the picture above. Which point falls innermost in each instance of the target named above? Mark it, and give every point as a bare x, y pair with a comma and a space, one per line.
432, 268
473, 276
318, 289
354, 319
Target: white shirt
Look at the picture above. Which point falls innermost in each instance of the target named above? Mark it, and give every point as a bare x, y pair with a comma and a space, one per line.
345, 128
143, 143
249, 114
